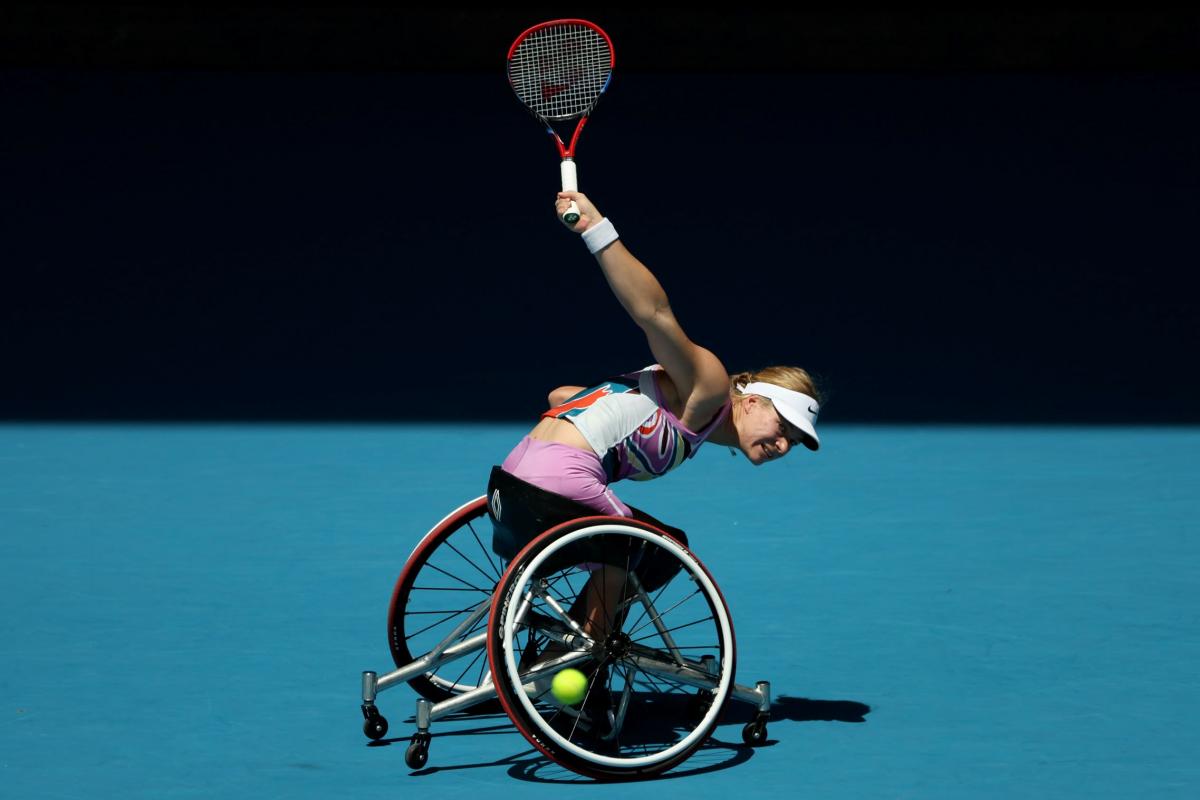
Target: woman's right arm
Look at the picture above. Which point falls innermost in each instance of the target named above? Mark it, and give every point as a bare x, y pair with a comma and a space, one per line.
699, 377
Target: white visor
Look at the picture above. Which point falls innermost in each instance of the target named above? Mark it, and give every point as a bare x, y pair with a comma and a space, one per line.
796, 407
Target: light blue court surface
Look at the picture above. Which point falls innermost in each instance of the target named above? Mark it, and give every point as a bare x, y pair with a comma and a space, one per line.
1010, 612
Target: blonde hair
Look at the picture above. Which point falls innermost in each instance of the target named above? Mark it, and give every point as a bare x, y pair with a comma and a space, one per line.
792, 378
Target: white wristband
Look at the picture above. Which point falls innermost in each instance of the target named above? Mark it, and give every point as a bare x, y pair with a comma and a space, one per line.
600, 236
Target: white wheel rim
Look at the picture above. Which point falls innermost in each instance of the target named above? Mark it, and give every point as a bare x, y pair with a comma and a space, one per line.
720, 617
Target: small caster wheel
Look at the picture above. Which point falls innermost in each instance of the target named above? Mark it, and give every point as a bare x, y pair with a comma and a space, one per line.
376, 726
755, 733
417, 753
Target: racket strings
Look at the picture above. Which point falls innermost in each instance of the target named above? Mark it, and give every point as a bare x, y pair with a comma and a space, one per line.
561, 70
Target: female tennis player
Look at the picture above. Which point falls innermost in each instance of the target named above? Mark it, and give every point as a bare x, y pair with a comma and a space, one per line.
640, 425
643, 424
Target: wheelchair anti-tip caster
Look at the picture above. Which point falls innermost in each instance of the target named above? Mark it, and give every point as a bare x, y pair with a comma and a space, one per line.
755, 733
376, 726
417, 753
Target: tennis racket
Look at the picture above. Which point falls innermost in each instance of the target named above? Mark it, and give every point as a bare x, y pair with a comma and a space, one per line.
559, 70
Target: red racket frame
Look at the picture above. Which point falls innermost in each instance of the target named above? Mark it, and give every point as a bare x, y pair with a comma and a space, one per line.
565, 150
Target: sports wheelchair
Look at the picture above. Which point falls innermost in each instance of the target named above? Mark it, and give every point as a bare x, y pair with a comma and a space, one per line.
621, 599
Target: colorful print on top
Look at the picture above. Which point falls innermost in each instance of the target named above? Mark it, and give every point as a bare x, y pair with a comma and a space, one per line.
625, 423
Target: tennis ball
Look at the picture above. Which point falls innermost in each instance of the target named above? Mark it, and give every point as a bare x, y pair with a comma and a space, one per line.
569, 687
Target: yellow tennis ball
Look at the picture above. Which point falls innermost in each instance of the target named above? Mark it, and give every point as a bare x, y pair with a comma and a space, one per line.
569, 686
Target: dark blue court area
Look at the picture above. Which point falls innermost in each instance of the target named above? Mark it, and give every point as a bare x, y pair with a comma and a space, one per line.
943, 612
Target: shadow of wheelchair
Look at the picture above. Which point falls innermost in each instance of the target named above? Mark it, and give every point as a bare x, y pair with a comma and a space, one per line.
801, 709
669, 718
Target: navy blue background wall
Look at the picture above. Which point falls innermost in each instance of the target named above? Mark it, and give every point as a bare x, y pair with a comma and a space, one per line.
962, 219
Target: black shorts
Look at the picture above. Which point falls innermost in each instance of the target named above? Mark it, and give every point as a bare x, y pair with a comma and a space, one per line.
520, 511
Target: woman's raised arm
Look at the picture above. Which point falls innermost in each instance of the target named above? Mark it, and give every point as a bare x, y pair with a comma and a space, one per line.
698, 375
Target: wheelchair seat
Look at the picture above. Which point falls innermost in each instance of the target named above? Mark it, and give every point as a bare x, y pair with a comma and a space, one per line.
520, 511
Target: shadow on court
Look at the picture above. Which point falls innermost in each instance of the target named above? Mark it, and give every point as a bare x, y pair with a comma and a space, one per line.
532, 766
801, 709
715, 755
503, 726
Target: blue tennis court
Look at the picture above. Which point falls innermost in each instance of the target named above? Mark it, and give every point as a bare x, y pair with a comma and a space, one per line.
954, 612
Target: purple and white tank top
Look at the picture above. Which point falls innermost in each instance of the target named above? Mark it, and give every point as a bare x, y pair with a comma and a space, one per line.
627, 424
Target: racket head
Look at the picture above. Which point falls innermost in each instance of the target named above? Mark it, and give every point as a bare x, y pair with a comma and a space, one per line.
559, 69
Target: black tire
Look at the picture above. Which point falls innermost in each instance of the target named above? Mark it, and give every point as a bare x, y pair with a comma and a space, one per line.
375, 728
755, 734
417, 754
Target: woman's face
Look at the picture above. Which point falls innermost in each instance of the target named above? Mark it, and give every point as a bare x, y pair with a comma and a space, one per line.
763, 435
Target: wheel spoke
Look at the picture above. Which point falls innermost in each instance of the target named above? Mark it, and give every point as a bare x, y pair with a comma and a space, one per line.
672, 630
662, 614
486, 554
441, 621
646, 607
465, 558
452, 576
457, 681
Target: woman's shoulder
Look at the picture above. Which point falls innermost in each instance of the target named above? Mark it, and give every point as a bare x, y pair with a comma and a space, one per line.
696, 409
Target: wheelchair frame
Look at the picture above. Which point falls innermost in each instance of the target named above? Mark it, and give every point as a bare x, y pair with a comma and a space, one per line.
521, 592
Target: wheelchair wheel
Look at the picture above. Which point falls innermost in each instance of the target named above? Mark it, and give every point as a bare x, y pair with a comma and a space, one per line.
450, 574
577, 596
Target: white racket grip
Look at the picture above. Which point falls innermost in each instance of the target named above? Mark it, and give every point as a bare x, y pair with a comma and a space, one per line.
570, 179
570, 183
